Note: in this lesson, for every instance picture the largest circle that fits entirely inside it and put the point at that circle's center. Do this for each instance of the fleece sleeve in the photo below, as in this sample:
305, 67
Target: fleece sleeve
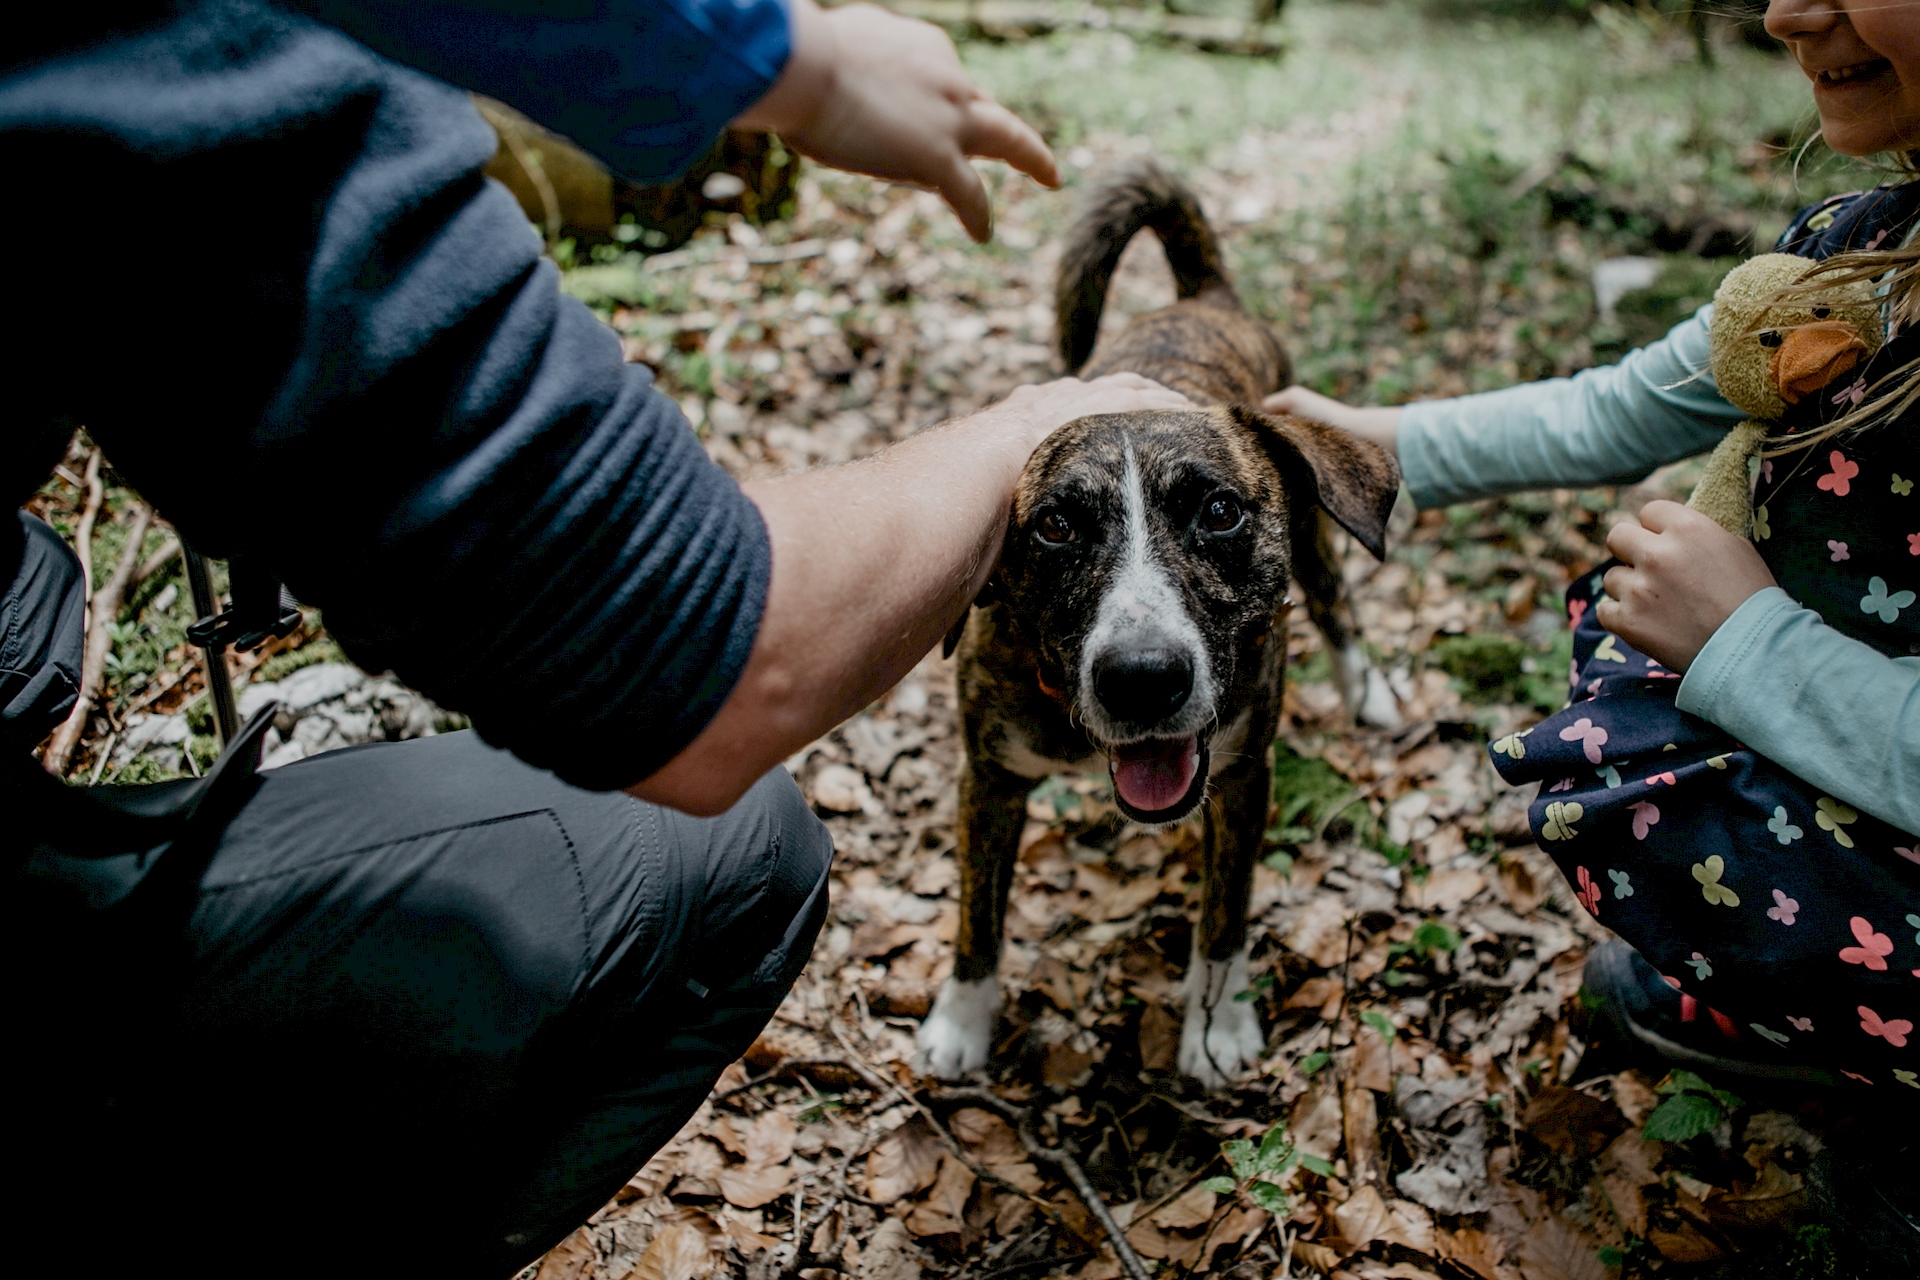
1823, 706
646, 85
1602, 426
347, 358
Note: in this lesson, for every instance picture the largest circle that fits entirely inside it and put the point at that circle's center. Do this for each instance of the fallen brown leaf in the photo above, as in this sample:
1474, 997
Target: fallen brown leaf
905, 1161
1625, 1168
751, 1185
769, 1140
1190, 1209
1443, 890
1368, 1216
680, 1252
1552, 1251
1473, 1249
1159, 1038
574, 1258
1320, 934
1318, 1256
1570, 1123
944, 1210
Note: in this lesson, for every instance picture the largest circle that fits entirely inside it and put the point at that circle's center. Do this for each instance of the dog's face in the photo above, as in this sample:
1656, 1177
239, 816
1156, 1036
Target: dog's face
1146, 558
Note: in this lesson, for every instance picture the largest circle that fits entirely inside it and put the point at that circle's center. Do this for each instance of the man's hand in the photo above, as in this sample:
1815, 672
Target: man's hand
1048, 406
871, 92
1684, 575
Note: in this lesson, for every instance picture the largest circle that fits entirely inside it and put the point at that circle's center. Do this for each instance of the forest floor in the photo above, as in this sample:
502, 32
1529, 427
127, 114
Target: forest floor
1418, 201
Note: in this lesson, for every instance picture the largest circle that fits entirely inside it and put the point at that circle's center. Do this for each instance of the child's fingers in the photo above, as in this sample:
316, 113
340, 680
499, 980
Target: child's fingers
995, 133
1662, 514
1629, 541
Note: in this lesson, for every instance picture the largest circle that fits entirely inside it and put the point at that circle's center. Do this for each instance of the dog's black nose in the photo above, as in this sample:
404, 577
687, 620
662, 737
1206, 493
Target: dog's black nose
1142, 686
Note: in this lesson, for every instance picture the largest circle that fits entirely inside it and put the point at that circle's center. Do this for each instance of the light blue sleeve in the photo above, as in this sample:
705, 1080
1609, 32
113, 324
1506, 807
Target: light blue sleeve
1602, 426
1830, 710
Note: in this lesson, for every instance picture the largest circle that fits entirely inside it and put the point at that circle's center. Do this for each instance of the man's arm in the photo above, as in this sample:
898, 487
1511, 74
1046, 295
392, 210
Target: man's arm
872, 562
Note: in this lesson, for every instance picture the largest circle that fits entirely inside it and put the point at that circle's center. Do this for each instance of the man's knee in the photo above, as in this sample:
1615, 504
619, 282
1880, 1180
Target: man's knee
796, 893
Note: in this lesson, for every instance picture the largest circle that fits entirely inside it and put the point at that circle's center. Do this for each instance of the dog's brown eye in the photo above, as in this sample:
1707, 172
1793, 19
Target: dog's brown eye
1768, 338
1056, 528
1222, 514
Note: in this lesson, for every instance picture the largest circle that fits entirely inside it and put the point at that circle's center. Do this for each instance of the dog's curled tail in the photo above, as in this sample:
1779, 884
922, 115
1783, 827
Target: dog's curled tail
1118, 206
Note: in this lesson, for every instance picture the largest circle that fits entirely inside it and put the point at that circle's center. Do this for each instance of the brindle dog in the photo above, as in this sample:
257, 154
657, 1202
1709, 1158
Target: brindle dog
1138, 612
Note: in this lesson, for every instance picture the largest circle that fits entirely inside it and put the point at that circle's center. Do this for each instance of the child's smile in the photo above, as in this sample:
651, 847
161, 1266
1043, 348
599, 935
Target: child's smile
1863, 57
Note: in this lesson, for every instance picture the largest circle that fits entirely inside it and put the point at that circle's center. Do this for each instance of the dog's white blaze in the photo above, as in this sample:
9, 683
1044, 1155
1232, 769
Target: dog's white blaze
1220, 1038
958, 1032
1142, 598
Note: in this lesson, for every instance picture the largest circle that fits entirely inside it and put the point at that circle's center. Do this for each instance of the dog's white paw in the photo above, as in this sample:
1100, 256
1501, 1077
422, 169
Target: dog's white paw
1364, 689
958, 1034
1221, 1036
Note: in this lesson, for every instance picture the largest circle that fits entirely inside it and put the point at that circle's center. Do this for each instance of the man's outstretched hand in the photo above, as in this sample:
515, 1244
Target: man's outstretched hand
1682, 576
871, 92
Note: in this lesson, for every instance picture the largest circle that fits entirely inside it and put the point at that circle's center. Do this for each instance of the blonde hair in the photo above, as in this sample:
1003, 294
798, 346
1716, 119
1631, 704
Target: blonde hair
1897, 272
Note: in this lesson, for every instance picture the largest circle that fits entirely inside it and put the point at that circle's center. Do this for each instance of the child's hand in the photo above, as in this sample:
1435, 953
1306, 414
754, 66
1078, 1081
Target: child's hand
1380, 426
1684, 575
871, 92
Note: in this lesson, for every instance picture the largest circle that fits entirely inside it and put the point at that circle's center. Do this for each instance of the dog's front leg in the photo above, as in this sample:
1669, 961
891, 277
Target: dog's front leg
1221, 1037
958, 1034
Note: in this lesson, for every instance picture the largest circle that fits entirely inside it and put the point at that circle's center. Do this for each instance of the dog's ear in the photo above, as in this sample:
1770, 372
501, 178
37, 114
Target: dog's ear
959, 626
1354, 480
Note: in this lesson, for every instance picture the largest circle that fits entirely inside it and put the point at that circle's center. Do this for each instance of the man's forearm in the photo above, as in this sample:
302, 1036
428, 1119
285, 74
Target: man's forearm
872, 562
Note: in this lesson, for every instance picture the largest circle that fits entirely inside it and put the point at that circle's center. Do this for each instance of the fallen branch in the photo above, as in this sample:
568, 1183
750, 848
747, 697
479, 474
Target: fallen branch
104, 608
83, 536
155, 562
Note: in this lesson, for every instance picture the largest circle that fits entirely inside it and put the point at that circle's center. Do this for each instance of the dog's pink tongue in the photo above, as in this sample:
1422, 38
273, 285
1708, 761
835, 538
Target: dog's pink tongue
1154, 775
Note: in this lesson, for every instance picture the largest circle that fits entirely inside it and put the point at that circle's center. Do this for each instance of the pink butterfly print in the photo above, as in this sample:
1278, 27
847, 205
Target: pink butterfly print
1839, 550
1874, 947
1875, 243
1838, 481
1576, 609
1853, 394
1766, 470
1913, 544
1893, 1030
1911, 855
1800, 1024
1784, 908
1645, 814
1589, 735
1565, 784
1588, 893
1666, 777
1593, 691
1857, 1076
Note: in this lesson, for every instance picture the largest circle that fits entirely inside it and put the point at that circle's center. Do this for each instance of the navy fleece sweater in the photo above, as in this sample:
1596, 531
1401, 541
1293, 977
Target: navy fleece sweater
259, 262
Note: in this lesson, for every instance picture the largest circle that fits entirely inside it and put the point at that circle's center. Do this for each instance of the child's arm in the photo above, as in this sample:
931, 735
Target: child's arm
1602, 426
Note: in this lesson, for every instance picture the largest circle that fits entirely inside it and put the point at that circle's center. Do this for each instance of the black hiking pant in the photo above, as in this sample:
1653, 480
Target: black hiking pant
417, 1008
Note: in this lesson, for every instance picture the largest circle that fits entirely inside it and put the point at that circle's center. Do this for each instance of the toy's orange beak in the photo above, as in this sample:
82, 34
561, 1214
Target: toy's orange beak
1813, 356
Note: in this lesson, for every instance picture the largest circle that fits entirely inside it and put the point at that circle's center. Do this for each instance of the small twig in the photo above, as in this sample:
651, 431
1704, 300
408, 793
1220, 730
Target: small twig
100, 765
156, 562
1203, 1117
103, 609
784, 1068
83, 535
1062, 1159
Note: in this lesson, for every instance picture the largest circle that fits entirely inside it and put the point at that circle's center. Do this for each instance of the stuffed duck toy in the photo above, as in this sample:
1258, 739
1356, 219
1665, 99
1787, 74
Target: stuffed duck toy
1768, 356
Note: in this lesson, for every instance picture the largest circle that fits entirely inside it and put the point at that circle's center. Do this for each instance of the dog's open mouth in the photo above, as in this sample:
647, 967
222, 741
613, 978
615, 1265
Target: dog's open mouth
1160, 779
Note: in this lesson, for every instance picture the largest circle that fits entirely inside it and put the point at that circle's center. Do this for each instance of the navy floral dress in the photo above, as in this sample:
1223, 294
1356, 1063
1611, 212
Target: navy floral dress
1783, 915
